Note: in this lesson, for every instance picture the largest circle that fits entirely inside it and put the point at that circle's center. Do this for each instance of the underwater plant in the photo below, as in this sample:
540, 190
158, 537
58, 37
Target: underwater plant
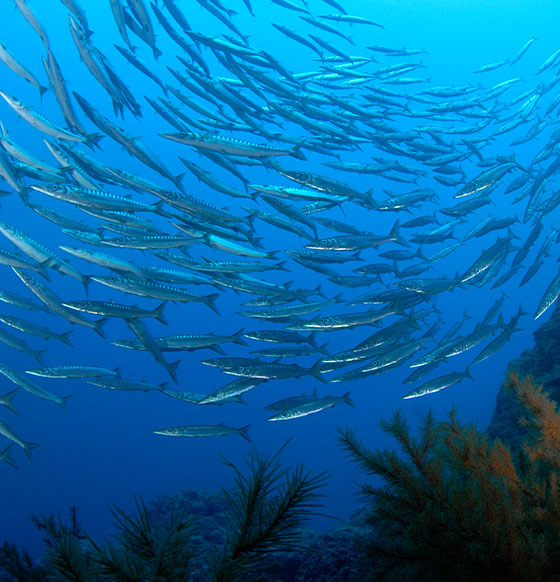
264, 517
265, 512
456, 506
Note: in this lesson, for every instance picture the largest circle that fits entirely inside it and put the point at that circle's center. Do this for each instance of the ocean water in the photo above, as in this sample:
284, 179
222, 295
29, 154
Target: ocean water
102, 451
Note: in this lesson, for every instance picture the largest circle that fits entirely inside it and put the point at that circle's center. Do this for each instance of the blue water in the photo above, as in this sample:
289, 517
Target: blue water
102, 451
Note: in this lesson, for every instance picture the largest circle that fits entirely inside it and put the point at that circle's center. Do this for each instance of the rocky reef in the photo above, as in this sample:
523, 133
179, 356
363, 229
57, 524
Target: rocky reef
542, 363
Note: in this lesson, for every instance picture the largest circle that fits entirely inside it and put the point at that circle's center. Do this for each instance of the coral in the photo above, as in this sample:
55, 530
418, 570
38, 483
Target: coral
160, 542
17, 566
456, 506
330, 556
541, 362
264, 516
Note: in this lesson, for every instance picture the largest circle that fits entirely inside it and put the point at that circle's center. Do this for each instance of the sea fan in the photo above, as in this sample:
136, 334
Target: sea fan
456, 507
265, 513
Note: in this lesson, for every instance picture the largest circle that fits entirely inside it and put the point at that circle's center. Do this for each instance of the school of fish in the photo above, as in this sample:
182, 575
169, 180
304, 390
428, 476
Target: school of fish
157, 241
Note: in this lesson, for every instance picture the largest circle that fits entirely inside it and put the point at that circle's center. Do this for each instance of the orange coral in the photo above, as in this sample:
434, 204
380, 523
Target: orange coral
458, 507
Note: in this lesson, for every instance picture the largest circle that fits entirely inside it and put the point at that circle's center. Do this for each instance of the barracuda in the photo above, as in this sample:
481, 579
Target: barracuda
11, 62
274, 371
54, 303
73, 372
230, 146
58, 84
15, 260
387, 360
437, 384
486, 179
346, 320
112, 309
354, 242
67, 222
550, 296
32, 328
311, 407
187, 342
232, 390
17, 152
175, 277
236, 266
96, 199
14, 342
156, 290
150, 242
41, 254
39, 122
23, 382
103, 260
286, 312
460, 345
199, 208
323, 184
200, 430
118, 383
299, 193
27, 446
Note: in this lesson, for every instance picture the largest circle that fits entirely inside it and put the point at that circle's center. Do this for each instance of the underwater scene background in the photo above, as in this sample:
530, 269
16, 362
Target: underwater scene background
102, 450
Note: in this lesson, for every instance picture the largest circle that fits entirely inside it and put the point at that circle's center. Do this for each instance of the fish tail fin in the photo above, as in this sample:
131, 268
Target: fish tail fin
98, 326
413, 322
281, 266
8, 401
172, 369
237, 339
39, 356
311, 339
323, 349
319, 292
251, 215
7, 457
297, 153
28, 447
468, 373
92, 140
348, 400
86, 280
244, 432
177, 181
64, 400
395, 235
42, 91
42, 270
158, 313
316, 371
210, 301
64, 337
24, 195
158, 208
